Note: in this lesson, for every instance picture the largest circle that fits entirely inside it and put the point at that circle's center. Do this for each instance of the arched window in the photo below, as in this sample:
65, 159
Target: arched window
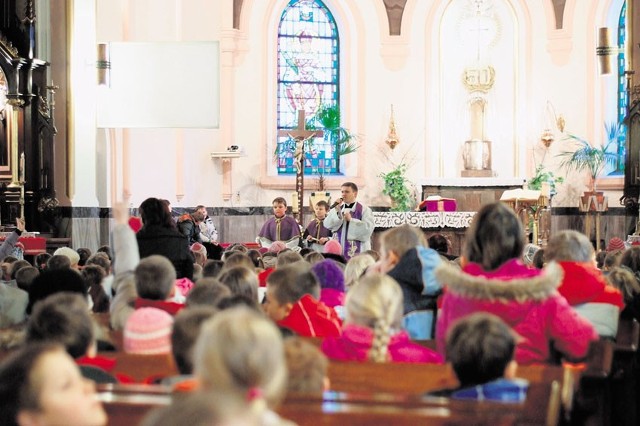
308, 78
622, 91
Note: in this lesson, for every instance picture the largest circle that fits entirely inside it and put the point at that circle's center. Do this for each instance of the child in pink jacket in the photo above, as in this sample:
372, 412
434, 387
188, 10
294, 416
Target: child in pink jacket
372, 329
494, 280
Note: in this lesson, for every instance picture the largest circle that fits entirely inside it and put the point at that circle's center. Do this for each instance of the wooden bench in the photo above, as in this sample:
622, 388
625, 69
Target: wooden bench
126, 404
624, 375
142, 367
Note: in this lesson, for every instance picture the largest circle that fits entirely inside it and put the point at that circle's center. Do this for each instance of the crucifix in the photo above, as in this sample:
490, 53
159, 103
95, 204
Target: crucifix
300, 135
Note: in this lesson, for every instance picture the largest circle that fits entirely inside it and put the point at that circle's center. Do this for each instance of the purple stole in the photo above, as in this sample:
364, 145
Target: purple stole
351, 247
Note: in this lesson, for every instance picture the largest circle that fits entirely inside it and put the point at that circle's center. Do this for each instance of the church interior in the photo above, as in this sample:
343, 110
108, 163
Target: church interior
191, 101
422, 112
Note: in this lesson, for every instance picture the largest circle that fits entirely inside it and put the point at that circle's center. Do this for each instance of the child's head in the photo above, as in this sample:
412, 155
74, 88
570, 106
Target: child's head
155, 278
92, 275
63, 318
439, 243
569, 246
256, 258
356, 267
329, 275
480, 348
238, 259
25, 276
16, 266
240, 353
313, 257
279, 206
307, 366
376, 302
398, 241
240, 280
40, 261
100, 259
207, 292
287, 285
611, 260
631, 259
148, 331
55, 281
321, 208
332, 246
41, 385
58, 261
199, 253
624, 280
288, 257
494, 237
212, 268
84, 254
186, 329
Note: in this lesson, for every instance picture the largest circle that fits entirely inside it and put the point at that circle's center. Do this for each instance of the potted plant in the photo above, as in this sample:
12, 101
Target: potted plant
544, 176
397, 186
592, 159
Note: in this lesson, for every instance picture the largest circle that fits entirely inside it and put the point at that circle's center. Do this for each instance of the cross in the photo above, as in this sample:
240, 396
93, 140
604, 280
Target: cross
300, 134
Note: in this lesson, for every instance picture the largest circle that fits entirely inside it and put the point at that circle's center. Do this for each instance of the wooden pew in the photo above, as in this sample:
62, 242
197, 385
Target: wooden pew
127, 404
624, 375
542, 407
416, 378
142, 367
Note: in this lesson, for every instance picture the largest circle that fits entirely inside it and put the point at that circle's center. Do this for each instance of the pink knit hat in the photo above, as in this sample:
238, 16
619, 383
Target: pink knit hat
148, 331
615, 243
333, 247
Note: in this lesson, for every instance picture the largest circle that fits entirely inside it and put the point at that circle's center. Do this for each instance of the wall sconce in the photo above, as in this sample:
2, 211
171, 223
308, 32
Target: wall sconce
548, 135
103, 64
392, 138
606, 50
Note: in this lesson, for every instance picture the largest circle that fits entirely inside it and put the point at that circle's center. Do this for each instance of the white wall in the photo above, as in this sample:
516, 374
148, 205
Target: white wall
378, 70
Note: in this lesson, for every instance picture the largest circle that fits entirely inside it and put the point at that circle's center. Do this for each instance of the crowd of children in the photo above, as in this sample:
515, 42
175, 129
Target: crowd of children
237, 328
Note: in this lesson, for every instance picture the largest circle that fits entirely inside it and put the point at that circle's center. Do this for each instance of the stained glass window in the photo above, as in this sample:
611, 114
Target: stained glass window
622, 92
308, 78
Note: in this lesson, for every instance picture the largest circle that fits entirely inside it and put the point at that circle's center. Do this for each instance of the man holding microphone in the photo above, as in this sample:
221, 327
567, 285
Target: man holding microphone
351, 221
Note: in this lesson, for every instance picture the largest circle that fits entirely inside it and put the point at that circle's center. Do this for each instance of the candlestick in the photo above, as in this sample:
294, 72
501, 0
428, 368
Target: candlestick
21, 168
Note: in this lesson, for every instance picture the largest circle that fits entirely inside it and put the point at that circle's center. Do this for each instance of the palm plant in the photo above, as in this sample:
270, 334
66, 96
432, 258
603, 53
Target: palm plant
343, 141
592, 159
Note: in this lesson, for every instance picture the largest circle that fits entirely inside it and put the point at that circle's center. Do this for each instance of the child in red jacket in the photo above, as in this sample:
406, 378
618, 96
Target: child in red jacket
292, 301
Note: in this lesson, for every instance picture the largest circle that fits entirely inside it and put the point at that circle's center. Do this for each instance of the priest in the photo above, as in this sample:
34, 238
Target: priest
351, 222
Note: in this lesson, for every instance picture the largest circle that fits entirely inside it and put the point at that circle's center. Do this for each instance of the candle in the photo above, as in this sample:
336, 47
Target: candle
294, 202
545, 191
21, 167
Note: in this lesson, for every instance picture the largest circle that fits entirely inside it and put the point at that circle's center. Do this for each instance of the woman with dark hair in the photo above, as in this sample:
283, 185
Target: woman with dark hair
41, 385
494, 279
159, 235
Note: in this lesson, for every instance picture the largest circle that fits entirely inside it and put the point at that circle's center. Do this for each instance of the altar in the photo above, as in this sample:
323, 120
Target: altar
453, 225
469, 193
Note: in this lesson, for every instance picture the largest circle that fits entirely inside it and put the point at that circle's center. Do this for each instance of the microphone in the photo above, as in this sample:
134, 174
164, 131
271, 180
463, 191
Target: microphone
338, 201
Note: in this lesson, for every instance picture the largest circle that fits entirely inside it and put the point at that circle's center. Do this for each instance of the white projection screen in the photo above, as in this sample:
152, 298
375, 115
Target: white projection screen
167, 84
